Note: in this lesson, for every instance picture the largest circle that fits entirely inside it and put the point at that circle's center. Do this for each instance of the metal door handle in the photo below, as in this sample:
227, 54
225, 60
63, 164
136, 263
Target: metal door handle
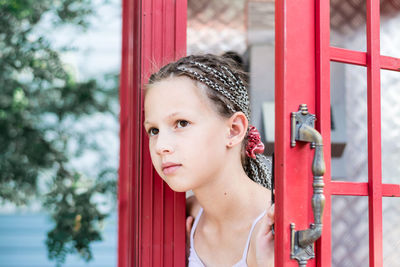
302, 241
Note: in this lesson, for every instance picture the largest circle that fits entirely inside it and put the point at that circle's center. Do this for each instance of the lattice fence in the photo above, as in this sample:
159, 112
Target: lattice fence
216, 26
348, 16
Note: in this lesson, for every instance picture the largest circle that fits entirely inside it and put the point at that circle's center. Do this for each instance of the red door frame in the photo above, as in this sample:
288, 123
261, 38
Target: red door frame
151, 227
303, 56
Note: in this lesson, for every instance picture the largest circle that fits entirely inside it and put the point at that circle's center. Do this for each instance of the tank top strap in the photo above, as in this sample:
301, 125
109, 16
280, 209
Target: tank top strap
196, 221
246, 248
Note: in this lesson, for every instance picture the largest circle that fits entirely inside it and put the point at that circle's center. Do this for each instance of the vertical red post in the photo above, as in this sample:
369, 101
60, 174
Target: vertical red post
129, 99
151, 216
323, 123
295, 84
374, 134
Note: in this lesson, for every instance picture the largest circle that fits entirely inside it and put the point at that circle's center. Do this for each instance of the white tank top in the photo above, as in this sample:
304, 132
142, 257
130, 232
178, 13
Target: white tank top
194, 260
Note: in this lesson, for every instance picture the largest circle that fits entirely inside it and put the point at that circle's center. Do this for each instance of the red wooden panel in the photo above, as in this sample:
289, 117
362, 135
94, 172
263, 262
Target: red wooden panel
349, 188
151, 216
361, 189
390, 63
374, 134
127, 189
348, 56
323, 123
294, 85
360, 58
391, 190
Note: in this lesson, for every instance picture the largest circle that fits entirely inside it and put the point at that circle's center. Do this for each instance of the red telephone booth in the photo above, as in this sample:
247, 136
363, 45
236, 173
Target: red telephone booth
152, 217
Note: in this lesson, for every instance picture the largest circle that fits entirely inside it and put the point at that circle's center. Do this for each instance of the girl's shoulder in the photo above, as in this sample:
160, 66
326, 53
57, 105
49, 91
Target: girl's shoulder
192, 206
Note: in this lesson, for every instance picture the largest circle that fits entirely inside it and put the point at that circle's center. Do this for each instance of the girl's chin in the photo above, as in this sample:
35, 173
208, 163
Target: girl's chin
179, 190
178, 187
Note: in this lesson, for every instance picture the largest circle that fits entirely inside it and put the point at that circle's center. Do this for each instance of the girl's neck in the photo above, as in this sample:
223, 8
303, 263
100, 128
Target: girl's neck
230, 197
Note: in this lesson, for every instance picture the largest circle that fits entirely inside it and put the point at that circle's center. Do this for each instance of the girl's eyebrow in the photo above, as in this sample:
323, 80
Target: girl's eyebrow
169, 116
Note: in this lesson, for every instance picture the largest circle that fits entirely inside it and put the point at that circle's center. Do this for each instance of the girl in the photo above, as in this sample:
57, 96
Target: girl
197, 113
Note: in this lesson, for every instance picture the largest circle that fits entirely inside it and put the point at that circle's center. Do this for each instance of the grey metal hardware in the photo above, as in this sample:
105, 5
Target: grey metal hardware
302, 241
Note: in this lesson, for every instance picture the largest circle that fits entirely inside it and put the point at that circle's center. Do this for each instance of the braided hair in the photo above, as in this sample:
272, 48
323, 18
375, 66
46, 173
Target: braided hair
226, 87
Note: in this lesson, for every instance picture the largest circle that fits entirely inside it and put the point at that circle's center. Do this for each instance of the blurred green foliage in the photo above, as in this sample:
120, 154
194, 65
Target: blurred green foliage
37, 96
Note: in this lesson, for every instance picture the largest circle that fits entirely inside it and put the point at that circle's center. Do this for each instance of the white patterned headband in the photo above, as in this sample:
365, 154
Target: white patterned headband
229, 85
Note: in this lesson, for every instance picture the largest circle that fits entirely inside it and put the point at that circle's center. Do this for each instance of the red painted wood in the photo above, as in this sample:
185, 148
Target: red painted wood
374, 134
348, 56
127, 189
323, 123
281, 233
390, 63
151, 216
294, 85
360, 58
349, 188
361, 189
391, 190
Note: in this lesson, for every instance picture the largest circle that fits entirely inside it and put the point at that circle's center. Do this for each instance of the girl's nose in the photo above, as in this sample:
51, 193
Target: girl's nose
164, 145
164, 150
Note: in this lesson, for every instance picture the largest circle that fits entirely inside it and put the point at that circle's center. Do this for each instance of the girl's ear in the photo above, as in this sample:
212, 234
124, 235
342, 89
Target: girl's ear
237, 124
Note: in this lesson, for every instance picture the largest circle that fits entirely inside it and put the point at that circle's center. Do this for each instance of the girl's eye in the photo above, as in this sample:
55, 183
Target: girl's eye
179, 124
182, 123
153, 131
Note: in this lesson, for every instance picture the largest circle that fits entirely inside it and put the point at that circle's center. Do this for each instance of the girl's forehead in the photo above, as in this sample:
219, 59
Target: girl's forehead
176, 93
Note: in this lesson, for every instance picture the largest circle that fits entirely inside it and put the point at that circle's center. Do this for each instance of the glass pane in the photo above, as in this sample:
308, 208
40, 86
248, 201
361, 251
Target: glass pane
349, 122
390, 114
349, 231
390, 31
391, 232
348, 24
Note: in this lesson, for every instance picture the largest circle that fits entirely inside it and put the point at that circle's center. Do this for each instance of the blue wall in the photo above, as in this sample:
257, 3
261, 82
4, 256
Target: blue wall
22, 243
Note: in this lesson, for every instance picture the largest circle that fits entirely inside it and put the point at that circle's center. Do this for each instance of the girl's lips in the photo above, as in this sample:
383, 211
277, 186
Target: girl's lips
170, 169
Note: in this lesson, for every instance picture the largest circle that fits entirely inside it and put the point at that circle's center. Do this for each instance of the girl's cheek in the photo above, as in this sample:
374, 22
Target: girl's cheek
155, 161
152, 151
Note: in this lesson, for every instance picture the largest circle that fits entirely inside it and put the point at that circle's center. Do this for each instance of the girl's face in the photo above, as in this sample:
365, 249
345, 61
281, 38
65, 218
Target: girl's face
187, 138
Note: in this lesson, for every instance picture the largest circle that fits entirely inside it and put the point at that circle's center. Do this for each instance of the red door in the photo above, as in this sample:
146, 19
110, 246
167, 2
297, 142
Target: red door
152, 217
303, 56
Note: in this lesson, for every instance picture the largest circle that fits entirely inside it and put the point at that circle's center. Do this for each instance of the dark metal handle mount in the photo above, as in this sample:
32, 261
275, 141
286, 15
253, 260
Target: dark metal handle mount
302, 241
